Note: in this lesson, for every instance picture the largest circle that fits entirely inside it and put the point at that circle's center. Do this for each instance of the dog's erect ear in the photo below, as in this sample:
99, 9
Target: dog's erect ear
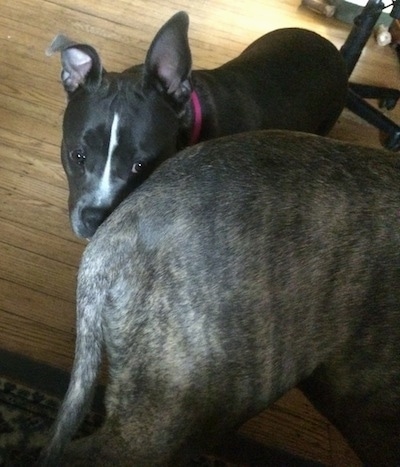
168, 62
81, 65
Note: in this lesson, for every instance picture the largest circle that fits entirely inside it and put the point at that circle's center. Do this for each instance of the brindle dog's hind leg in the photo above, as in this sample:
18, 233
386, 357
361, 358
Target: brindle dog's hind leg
369, 418
104, 448
108, 449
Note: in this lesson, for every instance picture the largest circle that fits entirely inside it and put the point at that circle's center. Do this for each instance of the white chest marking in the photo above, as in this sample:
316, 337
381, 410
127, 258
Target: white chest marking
105, 182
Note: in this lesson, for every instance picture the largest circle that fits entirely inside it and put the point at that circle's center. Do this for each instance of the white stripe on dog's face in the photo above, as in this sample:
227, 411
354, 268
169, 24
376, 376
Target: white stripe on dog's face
105, 182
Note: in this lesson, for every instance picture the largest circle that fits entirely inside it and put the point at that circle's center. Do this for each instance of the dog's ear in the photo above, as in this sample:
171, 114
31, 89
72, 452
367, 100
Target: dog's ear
81, 65
168, 62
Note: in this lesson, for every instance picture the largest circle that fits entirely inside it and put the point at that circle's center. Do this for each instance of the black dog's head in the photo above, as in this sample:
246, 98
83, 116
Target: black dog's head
119, 126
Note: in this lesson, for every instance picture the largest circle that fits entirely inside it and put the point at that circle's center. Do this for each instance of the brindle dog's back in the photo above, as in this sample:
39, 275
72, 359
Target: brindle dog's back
241, 268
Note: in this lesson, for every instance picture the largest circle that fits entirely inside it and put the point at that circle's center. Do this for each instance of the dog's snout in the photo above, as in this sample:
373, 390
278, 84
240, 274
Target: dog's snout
91, 218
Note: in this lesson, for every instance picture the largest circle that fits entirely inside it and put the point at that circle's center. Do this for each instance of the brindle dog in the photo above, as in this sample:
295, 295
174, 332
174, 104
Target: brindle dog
241, 268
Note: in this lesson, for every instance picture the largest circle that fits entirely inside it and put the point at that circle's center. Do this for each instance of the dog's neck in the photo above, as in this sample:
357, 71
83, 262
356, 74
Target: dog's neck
197, 118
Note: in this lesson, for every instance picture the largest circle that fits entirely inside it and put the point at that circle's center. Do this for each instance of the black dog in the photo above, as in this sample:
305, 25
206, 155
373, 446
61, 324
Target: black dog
119, 126
242, 267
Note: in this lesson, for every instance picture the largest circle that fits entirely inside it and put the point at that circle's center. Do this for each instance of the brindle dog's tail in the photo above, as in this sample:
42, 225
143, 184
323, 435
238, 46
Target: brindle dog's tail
88, 349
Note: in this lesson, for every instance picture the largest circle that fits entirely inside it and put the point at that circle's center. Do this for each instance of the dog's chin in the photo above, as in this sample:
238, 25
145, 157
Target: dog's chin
86, 238
84, 229
82, 232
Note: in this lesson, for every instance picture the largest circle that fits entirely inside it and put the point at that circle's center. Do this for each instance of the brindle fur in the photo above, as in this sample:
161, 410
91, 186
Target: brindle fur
243, 267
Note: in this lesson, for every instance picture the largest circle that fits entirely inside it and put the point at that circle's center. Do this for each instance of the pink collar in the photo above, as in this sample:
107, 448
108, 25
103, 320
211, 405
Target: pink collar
198, 118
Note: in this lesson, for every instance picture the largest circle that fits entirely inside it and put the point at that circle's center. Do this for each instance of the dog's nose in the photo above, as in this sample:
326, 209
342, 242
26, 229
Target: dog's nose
92, 217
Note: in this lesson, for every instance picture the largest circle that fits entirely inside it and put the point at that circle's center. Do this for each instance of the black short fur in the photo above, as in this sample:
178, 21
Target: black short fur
290, 78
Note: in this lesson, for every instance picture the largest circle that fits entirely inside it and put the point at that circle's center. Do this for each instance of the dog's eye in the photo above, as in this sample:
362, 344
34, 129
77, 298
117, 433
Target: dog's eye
137, 167
78, 156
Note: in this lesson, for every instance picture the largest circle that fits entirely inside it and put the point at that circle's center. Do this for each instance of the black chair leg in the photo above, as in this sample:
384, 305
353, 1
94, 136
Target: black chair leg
388, 97
361, 31
391, 137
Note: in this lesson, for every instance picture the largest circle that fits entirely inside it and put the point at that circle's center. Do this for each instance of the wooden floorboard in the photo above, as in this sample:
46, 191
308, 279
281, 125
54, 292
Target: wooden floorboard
38, 252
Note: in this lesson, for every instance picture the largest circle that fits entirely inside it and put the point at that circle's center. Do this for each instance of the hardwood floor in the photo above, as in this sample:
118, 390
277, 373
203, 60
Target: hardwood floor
38, 252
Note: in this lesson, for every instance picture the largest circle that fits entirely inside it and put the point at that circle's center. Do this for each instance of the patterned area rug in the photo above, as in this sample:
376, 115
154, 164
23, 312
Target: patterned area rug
26, 416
